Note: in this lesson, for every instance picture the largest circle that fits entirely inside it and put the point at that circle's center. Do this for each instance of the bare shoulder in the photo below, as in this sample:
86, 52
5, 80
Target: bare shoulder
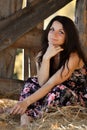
75, 60
74, 55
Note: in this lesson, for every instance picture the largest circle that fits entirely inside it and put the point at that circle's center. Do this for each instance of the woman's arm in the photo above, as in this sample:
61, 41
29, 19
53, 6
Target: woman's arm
43, 71
54, 80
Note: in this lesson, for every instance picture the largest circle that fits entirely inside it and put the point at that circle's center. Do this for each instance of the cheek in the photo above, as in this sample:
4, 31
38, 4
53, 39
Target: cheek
63, 39
49, 36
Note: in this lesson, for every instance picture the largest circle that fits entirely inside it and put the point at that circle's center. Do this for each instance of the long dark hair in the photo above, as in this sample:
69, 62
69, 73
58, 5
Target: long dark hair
71, 44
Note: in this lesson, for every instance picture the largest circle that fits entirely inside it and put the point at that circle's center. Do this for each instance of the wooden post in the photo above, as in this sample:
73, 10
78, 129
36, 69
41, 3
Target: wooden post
81, 22
33, 53
26, 64
7, 56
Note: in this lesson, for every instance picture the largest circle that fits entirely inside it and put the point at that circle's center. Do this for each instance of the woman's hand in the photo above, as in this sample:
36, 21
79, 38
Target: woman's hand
19, 108
52, 50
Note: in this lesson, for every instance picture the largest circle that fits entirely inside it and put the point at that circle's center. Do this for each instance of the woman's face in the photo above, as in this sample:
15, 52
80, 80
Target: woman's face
56, 35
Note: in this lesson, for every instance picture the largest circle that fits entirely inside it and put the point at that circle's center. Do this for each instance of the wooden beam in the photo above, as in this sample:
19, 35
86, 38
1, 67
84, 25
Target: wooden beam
28, 18
30, 40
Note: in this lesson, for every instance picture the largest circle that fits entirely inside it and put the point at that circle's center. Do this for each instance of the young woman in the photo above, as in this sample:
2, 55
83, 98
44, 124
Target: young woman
61, 72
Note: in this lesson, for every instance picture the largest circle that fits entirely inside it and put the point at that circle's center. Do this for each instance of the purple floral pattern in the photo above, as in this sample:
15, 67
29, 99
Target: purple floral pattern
71, 92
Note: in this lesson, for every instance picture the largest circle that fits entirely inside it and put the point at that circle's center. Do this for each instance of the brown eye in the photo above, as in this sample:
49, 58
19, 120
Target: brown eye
61, 32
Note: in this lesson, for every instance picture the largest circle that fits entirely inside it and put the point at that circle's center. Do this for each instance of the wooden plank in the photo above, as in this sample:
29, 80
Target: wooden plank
33, 54
8, 7
7, 56
29, 63
81, 22
28, 20
31, 39
26, 63
10, 88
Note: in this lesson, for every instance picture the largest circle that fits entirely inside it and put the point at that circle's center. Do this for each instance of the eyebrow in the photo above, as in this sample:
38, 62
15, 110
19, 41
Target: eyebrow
59, 29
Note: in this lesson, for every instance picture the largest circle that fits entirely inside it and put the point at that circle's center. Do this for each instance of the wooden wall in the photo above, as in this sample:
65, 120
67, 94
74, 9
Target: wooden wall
81, 22
7, 56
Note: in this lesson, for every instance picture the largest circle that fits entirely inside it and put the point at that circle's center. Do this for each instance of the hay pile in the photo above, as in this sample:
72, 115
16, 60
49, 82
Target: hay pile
65, 118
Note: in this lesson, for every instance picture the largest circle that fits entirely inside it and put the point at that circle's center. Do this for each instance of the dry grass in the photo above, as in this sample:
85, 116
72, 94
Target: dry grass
65, 118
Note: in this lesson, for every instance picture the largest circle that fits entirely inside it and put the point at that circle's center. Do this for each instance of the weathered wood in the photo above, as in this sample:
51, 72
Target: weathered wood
28, 20
10, 88
30, 40
32, 2
81, 22
29, 62
33, 54
26, 63
7, 56
8, 7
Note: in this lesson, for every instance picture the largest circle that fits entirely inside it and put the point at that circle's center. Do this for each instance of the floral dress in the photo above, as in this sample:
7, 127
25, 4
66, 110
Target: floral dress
72, 92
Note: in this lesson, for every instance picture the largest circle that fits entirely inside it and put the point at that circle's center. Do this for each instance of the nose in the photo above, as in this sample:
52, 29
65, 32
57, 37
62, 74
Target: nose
55, 34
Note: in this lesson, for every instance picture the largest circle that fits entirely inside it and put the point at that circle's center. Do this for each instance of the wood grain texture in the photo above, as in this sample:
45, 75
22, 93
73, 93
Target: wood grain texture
81, 22
24, 20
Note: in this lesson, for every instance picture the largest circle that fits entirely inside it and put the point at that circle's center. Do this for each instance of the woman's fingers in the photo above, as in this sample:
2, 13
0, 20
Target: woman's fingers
21, 111
55, 46
19, 108
58, 48
15, 109
52, 50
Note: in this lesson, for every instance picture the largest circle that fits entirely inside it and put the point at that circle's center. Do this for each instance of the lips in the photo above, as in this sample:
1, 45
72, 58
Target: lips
54, 40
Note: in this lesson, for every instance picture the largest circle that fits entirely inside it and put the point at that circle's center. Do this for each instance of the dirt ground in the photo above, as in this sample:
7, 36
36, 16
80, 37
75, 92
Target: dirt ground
65, 118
